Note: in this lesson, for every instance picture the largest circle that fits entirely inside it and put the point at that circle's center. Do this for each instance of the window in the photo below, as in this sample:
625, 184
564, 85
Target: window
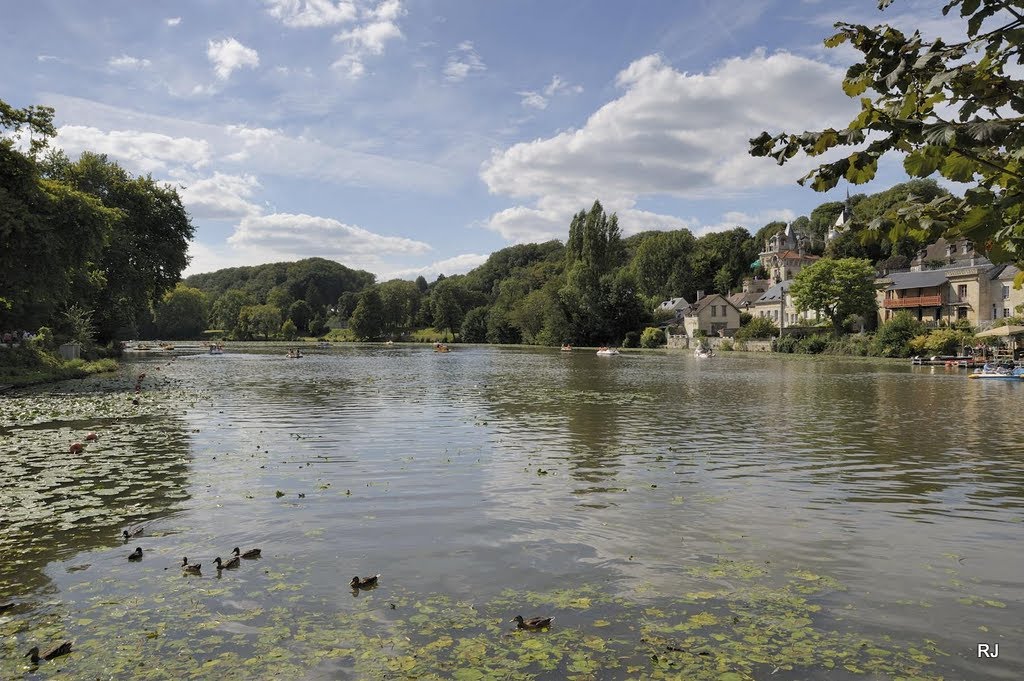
1006, 312
995, 313
961, 290
714, 310
1006, 292
725, 311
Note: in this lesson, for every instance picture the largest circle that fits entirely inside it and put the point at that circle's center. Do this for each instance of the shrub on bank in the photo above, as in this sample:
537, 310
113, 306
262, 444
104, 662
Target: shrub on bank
652, 338
894, 336
758, 327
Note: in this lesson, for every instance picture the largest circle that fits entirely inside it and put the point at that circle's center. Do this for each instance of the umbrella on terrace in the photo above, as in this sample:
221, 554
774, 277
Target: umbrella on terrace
1001, 332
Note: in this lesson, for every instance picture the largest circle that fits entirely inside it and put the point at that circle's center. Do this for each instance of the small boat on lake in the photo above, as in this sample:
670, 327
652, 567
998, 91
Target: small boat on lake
566, 348
294, 354
703, 352
216, 350
998, 372
606, 351
441, 347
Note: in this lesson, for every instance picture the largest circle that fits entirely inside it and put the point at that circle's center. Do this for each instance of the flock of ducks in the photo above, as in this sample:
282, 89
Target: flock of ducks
357, 583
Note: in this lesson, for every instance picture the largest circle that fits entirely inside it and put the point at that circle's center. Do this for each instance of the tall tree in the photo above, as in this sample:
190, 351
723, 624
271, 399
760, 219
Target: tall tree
181, 313
367, 320
446, 306
954, 108
836, 288
226, 309
300, 313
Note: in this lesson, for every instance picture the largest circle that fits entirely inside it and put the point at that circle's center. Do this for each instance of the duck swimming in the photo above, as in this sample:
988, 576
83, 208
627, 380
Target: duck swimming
53, 651
194, 569
251, 553
364, 582
136, 554
532, 623
231, 563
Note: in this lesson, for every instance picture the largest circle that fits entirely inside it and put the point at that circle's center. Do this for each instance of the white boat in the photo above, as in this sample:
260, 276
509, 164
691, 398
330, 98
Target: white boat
996, 372
703, 353
607, 352
214, 350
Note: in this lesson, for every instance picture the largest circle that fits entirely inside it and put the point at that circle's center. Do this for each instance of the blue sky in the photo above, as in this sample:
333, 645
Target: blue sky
417, 136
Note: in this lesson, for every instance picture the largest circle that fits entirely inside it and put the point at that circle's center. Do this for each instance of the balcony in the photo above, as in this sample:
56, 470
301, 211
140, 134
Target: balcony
912, 301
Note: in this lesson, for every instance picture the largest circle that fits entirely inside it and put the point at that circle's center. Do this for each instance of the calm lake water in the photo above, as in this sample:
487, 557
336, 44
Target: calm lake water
745, 517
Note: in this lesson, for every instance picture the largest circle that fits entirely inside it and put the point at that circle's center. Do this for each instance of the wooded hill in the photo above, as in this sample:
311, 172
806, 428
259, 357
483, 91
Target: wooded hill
596, 288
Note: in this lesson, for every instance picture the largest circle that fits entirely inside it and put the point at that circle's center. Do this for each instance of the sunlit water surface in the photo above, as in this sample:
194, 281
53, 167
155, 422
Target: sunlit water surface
734, 518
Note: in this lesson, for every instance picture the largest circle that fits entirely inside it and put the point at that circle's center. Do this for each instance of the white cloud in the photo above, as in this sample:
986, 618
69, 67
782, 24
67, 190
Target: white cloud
145, 151
311, 13
535, 100
376, 28
459, 264
228, 55
669, 134
286, 236
220, 196
463, 61
126, 62
172, 21
46, 57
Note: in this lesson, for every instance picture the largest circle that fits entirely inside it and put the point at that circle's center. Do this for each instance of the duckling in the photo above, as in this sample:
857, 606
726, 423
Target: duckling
194, 569
232, 563
533, 622
251, 553
53, 651
136, 554
364, 582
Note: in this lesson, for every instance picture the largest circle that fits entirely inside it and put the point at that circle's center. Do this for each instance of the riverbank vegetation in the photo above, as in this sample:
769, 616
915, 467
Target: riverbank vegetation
88, 250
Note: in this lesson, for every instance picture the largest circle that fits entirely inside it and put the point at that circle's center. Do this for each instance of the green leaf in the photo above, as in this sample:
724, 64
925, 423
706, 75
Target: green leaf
923, 162
958, 168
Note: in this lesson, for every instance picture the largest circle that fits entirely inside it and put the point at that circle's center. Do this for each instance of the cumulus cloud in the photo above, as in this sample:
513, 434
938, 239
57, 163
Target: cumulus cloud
535, 100
172, 21
293, 236
220, 196
311, 13
375, 28
459, 264
228, 55
669, 134
144, 151
126, 62
462, 61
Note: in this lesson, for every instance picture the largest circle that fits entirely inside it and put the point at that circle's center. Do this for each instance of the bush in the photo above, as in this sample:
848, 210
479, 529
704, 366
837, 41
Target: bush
44, 338
894, 336
759, 327
726, 346
745, 318
632, 339
474, 326
784, 344
857, 345
813, 345
288, 330
652, 338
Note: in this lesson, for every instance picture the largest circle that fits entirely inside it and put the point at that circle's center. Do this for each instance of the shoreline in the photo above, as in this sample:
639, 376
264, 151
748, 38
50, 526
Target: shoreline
68, 370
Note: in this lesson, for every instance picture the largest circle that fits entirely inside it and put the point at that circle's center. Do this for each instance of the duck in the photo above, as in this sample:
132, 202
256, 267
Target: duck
91, 437
231, 563
133, 531
76, 448
53, 651
251, 553
533, 622
136, 554
364, 582
194, 569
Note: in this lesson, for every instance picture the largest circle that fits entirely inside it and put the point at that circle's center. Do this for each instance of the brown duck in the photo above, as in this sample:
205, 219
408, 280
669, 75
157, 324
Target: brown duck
194, 569
136, 554
231, 563
251, 553
533, 622
53, 651
364, 582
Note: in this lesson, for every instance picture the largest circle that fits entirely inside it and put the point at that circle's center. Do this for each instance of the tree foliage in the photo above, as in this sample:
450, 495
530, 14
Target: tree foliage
181, 313
955, 108
836, 288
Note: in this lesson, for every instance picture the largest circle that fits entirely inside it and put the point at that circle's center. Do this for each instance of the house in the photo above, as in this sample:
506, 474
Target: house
713, 314
673, 306
753, 288
784, 256
777, 305
967, 287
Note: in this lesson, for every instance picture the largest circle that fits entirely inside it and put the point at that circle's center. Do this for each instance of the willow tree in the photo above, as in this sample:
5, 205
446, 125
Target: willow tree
953, 108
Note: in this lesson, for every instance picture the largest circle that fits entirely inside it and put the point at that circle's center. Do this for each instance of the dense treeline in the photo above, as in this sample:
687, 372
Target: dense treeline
88, 250
596, 288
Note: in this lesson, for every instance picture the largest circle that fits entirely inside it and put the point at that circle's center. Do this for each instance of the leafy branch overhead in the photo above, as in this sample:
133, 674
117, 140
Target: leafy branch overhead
952, 108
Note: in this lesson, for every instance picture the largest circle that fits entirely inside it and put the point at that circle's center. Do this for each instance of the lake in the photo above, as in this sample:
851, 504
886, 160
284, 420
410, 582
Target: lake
744, 517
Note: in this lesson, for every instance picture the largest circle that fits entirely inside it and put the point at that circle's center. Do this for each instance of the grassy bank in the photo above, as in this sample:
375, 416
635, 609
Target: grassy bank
26, 365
